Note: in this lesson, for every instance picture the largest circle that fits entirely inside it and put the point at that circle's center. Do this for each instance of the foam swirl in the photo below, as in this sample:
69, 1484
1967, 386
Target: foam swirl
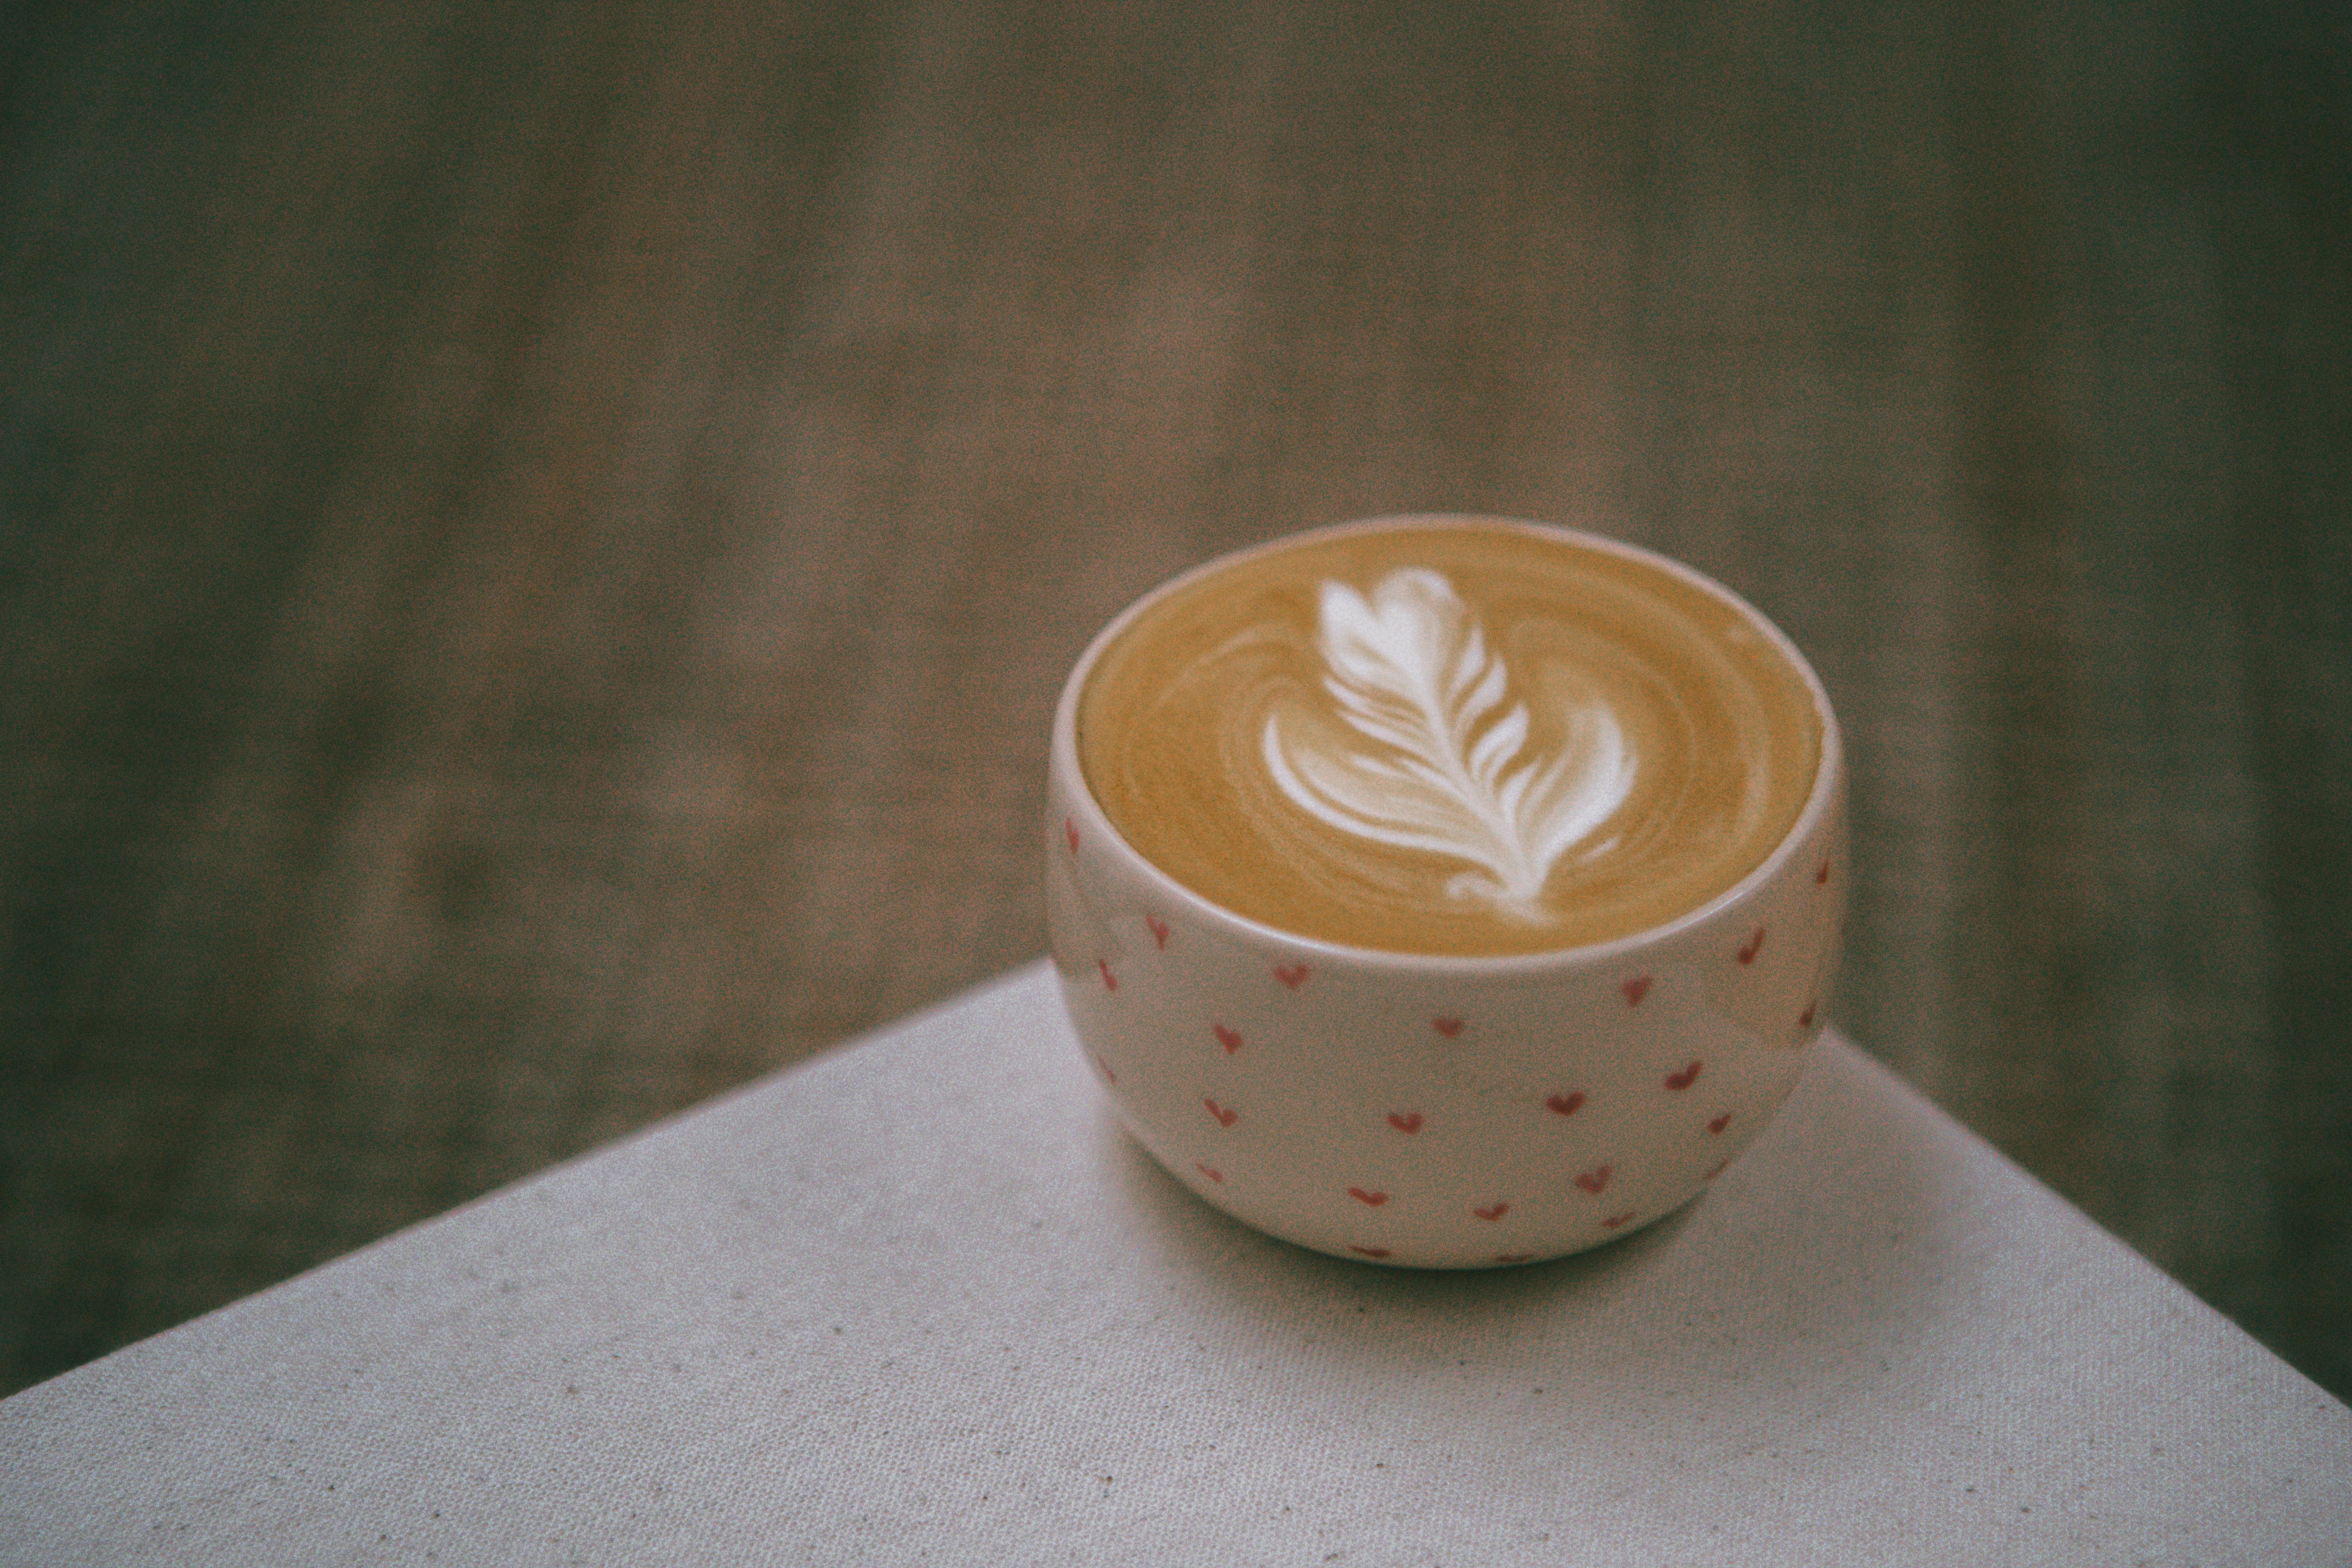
1437, 762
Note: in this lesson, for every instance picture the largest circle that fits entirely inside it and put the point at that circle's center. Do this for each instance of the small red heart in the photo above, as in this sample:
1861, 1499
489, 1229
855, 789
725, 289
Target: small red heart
1596, 1178
1229, 1039
1211, 1172
1449, 1028
1713, 1171
1071, 829
1226, 1116
1754, 946
1823, 875
1685, 1077
1410, 1123
1567, 1104
1614, 1220
1158, 928
1374, 1199
1637, 988
1371, 1251
1497, 1212
1110, 980
1291, 975
1805, 1019
1513, 1257
1720, 1123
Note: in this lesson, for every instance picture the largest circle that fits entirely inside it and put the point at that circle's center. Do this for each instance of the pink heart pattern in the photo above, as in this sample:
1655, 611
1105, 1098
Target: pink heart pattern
1593, 1181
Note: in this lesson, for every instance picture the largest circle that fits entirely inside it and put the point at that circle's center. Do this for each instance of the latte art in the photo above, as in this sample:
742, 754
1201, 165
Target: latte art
1436, 762
1450, 738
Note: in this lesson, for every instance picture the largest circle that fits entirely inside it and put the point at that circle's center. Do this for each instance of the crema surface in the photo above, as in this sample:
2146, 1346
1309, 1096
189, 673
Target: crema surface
1450, 739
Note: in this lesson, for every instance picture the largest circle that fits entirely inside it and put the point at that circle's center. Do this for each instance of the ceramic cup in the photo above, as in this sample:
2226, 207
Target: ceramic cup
1440, 1111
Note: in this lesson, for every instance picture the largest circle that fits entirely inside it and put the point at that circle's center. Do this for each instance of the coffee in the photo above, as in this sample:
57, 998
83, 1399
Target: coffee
1460, 738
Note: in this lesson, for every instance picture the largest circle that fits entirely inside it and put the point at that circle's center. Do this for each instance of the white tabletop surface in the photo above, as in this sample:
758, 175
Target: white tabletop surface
919, 1300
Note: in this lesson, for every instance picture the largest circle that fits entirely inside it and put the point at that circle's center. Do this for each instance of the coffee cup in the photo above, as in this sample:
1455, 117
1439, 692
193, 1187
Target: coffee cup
1445, 892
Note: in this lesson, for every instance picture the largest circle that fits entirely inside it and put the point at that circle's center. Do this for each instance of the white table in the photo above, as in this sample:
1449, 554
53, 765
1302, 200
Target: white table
917, 1300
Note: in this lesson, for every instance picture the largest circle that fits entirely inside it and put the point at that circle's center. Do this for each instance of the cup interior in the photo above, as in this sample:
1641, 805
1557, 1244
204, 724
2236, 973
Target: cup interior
1820, 801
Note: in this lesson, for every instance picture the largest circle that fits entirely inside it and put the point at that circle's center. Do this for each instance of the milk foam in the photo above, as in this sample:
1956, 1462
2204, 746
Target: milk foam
1457, 739
1431, 758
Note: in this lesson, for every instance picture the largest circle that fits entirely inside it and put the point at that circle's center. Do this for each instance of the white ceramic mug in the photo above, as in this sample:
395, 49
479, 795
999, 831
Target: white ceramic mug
1441, 1111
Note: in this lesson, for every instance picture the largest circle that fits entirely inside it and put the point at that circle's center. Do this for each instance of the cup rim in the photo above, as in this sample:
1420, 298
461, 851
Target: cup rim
1828, 770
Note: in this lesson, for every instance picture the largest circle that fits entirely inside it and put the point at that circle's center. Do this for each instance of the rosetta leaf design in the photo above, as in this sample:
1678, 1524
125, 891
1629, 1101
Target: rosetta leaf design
1430, 758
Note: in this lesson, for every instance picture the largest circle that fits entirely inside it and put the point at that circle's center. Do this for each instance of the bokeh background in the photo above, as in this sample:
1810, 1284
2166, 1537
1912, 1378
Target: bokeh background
538, 540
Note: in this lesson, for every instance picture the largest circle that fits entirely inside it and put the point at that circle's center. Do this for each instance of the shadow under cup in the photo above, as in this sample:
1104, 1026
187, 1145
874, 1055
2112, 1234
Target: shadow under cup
1429, 1109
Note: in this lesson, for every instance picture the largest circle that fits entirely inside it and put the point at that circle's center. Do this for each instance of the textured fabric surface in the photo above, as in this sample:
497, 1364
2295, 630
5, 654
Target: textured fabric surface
920, 1300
